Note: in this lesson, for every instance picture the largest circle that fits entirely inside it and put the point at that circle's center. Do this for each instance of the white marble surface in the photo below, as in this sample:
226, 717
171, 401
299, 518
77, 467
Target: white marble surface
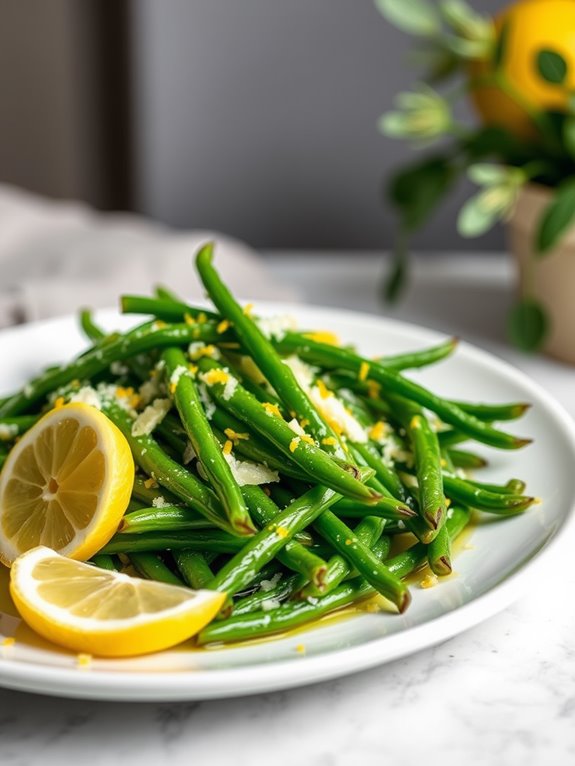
502, 693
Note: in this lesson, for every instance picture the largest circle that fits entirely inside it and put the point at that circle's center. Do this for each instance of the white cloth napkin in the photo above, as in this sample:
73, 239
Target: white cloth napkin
56, 257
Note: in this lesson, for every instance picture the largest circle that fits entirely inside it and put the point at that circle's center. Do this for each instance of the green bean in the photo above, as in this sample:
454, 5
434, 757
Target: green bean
439, 553
310, 458
346, 543
90, 329
451, 437
416, 359
427, 458
295, 556
194, 567
151, 566
163, 292
263, 353
100, 358
368, 454
490, 412
265, 545
153, 460
102, 561
368, 533
167, 310
168, 518
512, 487
10, 428
464, 459
331, 357
385, 508
205, 444
203, 540
286, 587
504, 504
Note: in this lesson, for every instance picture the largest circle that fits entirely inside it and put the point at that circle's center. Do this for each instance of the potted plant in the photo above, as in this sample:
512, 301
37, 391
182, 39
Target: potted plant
518, 70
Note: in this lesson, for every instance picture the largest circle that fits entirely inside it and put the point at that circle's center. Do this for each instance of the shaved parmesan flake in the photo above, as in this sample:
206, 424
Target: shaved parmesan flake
247, 473
151, 417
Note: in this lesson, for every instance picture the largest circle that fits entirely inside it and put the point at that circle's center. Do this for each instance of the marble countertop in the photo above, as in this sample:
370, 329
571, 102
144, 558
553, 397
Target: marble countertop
502, 693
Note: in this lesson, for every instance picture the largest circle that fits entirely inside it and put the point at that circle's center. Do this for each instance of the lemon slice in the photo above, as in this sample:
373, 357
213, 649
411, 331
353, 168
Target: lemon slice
65, 484
105, 613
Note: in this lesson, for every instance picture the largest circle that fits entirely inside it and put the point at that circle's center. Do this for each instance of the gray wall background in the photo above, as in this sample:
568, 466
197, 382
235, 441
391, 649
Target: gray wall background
258, 117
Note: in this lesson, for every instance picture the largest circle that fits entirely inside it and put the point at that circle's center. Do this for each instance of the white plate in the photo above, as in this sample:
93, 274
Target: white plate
494, 568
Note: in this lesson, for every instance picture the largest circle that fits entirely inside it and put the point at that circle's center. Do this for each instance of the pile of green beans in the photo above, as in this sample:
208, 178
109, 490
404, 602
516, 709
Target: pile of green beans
252, 486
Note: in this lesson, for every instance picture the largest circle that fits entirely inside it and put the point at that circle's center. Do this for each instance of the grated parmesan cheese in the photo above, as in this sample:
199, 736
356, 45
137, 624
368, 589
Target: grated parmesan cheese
88, 395
247, 473
151, 417
176, 375
277, 326
268, 604
295, 426
267, 585
160, 502
189, 454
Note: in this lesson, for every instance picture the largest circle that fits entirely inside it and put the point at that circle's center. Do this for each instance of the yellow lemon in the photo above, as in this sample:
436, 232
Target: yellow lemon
65, 484
105, 613
532, 26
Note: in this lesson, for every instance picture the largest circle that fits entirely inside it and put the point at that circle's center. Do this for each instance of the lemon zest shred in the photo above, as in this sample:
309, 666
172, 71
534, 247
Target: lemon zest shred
323, 336
150, 483
235, 436
294, 443
324, 391
271, 409
215, 376
378, 431
228, 446
223, 326
329, 441
248, 308
59, 402
363, 371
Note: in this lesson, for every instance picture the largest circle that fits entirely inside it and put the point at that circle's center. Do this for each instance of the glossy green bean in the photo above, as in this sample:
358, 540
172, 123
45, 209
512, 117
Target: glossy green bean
266, 544
503, 504
180, 482
203, 540
151, 566
168, 518
295, 556
263, 353
207, 448
194, 567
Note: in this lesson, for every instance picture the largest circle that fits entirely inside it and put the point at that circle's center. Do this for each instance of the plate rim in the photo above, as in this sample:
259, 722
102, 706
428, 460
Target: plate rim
304, 670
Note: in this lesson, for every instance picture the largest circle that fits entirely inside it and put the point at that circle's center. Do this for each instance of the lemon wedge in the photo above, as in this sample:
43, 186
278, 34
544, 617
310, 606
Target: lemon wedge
66, 484
105, 613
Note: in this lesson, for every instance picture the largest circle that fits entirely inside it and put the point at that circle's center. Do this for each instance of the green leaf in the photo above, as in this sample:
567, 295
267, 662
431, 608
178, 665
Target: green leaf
474, 218
416, 17
528, 324
395, 282
557, 217
501, 45
569, 135
416, 190
485, 174
551, 66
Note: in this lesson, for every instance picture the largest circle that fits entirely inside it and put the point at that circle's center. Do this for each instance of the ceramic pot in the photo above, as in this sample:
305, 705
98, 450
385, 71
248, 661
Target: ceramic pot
550, 279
